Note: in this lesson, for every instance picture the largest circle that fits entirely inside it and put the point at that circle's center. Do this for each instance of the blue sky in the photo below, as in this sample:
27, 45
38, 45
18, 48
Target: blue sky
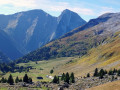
87, 9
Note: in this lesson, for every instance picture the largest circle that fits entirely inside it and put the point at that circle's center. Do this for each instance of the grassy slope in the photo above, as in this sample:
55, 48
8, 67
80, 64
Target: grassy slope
77, 44
42, 68
74, 44
105, 56
108, 86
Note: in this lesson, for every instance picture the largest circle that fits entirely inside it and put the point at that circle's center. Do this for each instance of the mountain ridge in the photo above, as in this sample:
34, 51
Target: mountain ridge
32, 29
78, 43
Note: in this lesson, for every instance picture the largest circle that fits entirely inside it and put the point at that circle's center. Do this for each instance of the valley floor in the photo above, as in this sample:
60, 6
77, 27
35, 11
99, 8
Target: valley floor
80, 67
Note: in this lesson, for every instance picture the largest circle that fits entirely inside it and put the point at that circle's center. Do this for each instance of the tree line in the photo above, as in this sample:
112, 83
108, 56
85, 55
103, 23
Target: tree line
11, 81
65, 77
100, 73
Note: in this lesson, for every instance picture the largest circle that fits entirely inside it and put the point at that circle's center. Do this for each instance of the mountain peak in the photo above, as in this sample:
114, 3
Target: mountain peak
106, 15
67, 11
29, 30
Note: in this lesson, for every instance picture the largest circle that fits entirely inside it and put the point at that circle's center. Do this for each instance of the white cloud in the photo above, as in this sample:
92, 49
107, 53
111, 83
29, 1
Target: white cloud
60, 6
104, 10
18, 3
84, 11
83, 8
48, 5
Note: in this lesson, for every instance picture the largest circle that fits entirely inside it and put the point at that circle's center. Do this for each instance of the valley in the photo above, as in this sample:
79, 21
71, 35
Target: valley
30, 30
41, 52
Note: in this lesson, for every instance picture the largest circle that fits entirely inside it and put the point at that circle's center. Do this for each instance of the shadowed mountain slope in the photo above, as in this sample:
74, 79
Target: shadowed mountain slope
83, 38
32, 29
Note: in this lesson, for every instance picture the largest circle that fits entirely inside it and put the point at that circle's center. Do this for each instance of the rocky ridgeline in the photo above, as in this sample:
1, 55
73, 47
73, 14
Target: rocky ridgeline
83, 83
80, 84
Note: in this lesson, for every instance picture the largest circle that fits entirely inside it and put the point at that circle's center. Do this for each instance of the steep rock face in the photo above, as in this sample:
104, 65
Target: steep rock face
67, 21
32, 29
79, 40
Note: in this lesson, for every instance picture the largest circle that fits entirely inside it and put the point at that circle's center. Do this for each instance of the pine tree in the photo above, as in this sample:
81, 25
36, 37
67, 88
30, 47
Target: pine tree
110, 72
101, 73
17, 80
96, 72
55, 80
105, 71
118, 73
63, 76
30, 80
72, 78
10, 80
88, 75
67, 78
51, 71
100, 76
115, 70
3, 80
25, 78
58, 81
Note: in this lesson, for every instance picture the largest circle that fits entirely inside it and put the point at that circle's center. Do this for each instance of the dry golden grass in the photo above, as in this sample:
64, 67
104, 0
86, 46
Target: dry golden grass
105, 56
108, 86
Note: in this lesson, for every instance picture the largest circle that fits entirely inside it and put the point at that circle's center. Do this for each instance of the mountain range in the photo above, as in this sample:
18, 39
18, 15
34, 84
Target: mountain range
65, 44
26, 31
80, 40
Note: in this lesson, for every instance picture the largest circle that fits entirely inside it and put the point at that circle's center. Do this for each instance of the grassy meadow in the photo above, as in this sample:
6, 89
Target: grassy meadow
42, 68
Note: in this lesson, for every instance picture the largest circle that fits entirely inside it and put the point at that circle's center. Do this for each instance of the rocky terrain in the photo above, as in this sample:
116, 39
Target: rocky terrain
29, 30
82, 83
80, 40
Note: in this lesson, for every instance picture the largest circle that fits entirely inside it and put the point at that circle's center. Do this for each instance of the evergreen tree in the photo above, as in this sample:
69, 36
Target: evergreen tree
110, 72
17, 80
118, 73
25, 78
63, 76
105, 72
67, 78
58, 81
88, 75
101, 73
72, 78
3, 80
100, 76
96, 72
30, 80
115, 70
10, 80
51, 71
55, 80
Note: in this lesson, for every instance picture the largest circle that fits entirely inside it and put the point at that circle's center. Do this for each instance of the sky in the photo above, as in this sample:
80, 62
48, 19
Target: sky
87, 9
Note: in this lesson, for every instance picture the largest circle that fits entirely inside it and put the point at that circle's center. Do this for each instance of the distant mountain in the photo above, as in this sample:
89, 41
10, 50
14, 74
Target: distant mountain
7, 46
79, 40
32, 29
4, 58
68, 21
